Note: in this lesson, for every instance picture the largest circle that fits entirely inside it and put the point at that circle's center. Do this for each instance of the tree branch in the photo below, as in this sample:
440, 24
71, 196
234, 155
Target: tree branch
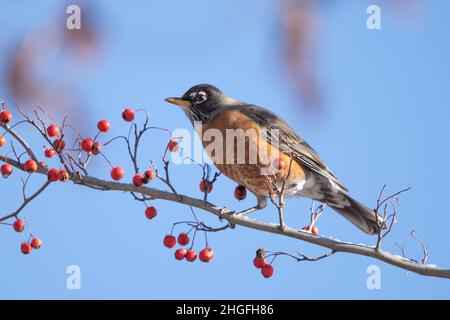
225, 213
21, 141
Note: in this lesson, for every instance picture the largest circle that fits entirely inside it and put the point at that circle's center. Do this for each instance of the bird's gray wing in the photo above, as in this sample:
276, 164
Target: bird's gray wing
288, 141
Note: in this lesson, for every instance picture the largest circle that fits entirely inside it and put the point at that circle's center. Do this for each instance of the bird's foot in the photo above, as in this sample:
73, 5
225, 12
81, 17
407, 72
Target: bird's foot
247, 211
262, 203
229, 212
222, 211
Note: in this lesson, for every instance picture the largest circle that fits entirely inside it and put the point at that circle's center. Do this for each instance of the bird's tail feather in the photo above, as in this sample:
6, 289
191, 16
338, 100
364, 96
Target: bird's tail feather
361, 216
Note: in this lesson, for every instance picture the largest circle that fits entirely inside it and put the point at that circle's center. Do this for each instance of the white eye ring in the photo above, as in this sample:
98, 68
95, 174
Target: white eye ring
199, 97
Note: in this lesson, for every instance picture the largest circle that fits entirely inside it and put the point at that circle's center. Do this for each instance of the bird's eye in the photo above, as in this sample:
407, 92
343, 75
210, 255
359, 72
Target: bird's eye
199, 97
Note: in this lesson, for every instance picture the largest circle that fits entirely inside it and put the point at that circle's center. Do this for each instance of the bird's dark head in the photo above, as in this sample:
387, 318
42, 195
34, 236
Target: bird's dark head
202, 102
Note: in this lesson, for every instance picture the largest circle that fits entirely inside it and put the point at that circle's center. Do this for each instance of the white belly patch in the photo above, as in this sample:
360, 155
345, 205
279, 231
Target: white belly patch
295, 189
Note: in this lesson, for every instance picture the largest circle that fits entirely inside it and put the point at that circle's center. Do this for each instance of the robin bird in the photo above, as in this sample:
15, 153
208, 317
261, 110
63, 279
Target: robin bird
304, 173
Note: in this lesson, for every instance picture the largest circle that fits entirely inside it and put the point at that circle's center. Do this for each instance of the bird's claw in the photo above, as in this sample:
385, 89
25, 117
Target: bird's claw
222, 211
221, 218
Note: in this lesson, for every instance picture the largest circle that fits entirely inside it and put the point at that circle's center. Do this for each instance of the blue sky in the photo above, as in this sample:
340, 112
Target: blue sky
386, 104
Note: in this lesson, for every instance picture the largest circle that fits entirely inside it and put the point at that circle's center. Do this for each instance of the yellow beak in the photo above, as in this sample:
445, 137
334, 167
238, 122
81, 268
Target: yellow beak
179, 102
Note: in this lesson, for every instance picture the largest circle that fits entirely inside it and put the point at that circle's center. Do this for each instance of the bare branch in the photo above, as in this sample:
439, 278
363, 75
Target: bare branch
299, 256
424, 247
20, 140
26, 201
336, 246
70, 163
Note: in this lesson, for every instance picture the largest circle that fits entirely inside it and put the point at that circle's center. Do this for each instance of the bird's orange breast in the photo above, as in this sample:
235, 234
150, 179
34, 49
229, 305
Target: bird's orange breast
233, 142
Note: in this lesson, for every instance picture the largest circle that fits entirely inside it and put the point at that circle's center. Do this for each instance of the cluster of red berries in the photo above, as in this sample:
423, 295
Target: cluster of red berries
94, 147
260, 262
190, 255
90, 146
54, 175
29, 166
141, 179
26, 247
58, 144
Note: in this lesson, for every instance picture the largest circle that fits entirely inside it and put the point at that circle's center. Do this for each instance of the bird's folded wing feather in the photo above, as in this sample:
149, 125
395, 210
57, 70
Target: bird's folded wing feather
288, 141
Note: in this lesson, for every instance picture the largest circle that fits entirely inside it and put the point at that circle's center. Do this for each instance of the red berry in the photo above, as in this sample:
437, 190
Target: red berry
180, 254
240, 192
25, 247
150, 212
19, 225
96, 148
183, 239
5, 116
138, 180
128, 114
52, 175
53, 130
2, 141
169, 241
36, 243
173, 146
191, 255
117, 173
148, 176
103, 126
59, 145
267, 271
86, 145
205, 185
49, 153
42, 164
259, 262
206, 254
278, 164
6, 170
63, 175
30, 166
